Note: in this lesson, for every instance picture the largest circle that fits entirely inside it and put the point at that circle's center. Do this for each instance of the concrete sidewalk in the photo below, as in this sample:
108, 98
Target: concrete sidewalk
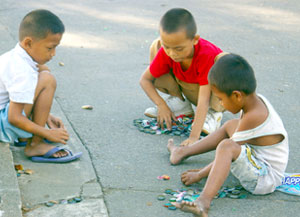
104, 51
10, 199
50, 182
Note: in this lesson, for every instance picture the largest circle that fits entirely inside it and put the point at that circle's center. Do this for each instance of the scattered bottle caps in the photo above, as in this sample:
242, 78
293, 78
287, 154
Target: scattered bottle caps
77, 199
146, 124
161, 197
71, 201
63, 201
20, 170
87, 107
172, 208
28, 171
166, 177
235, 192
19, 167
167, 205
168, 191
172, 199
25, 208
49, 204
191, 195
149, 204
163, 177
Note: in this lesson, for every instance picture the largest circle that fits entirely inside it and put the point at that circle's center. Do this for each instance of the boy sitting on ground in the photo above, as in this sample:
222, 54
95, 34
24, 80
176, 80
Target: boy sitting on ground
254, 148
27, 89
180, 61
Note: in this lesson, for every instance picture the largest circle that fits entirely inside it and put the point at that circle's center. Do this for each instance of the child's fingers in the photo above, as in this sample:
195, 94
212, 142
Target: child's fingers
61, 125
160, 122
63, 141
169, 123
174, 117
66, 136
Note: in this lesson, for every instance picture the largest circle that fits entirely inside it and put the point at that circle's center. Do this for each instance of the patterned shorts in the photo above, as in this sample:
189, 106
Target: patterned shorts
247, 168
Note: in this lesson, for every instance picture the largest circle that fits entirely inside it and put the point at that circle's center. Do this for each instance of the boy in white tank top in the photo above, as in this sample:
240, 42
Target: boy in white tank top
254, 147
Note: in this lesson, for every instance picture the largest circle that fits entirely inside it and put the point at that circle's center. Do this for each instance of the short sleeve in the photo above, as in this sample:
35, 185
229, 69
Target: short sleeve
161, 64
21, 84
204, 70
206, 60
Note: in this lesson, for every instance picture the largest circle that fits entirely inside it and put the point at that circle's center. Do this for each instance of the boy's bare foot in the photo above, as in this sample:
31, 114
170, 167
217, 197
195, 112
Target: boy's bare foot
191, 176
176, 155
41, 149
196, 208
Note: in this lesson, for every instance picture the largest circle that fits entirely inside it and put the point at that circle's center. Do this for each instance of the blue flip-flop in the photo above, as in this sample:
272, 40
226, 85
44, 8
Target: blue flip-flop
20, 144
47, 158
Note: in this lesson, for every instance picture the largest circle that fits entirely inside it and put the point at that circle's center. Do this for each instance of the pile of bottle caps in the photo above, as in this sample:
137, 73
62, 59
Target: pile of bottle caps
191, 195
181, 127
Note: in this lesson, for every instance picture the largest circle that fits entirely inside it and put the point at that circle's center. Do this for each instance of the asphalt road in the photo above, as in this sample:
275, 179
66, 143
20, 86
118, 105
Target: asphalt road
105, 50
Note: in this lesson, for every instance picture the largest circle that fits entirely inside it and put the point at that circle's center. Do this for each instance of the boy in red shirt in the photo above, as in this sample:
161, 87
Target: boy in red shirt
180, 62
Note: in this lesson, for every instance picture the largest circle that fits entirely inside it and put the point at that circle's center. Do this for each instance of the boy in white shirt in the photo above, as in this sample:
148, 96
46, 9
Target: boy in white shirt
27, 89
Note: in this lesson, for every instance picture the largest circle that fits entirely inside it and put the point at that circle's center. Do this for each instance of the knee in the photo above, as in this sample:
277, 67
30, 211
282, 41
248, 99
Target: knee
47, 80
226, 146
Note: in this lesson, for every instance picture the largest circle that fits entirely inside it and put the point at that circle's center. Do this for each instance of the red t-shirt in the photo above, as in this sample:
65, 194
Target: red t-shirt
203, 59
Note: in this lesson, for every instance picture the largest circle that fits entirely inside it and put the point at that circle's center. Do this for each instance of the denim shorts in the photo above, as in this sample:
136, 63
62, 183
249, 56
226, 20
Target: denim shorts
8, 132
247, 168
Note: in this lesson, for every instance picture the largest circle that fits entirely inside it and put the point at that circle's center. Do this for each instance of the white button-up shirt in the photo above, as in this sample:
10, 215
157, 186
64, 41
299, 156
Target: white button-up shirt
18, 77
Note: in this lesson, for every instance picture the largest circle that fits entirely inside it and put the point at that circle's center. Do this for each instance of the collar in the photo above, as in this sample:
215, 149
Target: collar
20, 51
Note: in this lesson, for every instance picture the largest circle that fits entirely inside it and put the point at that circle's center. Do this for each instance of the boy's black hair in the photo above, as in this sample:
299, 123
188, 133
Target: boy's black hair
232, 72
179, 18
39, 23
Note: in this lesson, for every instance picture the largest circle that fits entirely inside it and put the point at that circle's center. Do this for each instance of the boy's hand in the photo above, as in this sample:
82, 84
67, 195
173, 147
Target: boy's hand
43, 68
54, 122
189, 141
59, 135
165, 114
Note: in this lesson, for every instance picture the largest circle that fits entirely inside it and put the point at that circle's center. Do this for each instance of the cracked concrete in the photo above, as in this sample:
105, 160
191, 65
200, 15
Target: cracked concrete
60, 181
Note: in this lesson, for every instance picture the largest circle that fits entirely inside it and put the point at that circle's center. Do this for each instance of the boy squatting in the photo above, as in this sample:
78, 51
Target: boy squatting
27, 89
180, 61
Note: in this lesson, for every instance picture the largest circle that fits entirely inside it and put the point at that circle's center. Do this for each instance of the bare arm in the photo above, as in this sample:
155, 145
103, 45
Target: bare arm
54, 122
201, 112
16, 118
164, 112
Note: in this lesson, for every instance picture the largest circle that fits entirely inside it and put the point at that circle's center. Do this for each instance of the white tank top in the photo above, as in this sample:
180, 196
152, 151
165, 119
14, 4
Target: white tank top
274, 156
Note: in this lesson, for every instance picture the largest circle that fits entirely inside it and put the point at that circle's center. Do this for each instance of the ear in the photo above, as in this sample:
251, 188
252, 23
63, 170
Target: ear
27, 43
237, 96
196, 39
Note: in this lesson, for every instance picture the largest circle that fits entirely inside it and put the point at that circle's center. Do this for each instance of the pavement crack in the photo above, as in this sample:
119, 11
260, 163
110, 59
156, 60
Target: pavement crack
85, 146
109, 190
